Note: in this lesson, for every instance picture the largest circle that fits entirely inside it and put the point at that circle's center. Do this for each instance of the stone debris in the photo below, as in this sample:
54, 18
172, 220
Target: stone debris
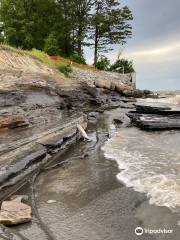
14, 212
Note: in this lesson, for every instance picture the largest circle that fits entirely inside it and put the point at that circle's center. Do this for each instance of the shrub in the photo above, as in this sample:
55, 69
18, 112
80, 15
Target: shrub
64, 68
103, 64
78, 59
51, 45
122, 66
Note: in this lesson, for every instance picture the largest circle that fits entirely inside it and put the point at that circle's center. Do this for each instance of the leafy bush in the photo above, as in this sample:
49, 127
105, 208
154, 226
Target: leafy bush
51, 45
122, 66
78, 59
103, 64
64, 68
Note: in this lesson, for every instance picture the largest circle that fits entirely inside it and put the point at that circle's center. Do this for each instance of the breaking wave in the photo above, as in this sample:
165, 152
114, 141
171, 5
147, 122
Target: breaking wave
149, 163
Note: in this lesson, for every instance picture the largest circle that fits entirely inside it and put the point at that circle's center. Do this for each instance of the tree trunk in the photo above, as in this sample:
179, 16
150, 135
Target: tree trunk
79, 37
96, 47
79, 50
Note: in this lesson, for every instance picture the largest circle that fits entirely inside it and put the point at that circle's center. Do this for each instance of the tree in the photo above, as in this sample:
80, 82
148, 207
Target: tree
109, 25
81, 10
122, 66
63, 26
26, 23
51, 45
71, 25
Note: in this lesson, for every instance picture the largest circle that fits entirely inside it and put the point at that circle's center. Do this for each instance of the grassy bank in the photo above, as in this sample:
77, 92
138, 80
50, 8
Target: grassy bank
62, 66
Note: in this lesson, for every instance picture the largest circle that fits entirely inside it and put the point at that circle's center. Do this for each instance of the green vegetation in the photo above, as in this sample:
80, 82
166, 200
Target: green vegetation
51, 45
120, 66
76, 58
63, 65
66, 69
103, 64
65, 26
41, 56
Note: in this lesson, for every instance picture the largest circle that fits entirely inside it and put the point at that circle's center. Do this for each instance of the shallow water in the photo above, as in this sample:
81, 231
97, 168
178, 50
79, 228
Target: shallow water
149, 163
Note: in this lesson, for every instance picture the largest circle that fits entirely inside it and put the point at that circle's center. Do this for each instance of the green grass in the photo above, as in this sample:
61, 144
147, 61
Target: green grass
64, 68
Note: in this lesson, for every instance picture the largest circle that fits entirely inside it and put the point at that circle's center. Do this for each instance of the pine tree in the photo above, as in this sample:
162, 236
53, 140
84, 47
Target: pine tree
63, 26
110, 24
81, 11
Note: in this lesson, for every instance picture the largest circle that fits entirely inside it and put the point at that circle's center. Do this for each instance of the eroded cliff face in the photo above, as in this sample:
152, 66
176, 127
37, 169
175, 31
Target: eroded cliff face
40, 109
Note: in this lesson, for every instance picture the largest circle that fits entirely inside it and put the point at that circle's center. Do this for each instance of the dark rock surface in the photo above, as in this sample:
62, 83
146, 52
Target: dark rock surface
155, 122
155, 116
138, 93
151, 108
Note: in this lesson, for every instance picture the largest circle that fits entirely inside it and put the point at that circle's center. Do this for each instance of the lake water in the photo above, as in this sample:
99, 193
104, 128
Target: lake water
149, 162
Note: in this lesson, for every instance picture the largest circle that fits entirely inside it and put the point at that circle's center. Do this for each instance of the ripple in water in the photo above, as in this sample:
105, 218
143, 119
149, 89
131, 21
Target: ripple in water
150, 163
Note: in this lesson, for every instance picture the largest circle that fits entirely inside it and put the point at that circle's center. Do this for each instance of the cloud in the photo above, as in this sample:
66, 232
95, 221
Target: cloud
158, 51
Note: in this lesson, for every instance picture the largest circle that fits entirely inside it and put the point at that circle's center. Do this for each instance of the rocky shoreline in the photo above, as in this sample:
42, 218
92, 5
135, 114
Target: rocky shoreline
40, 110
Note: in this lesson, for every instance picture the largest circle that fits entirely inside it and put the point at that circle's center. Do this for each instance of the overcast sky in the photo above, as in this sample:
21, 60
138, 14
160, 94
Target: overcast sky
155, 45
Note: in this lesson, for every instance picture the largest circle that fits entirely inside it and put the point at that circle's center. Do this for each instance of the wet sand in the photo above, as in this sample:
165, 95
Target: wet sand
91, 204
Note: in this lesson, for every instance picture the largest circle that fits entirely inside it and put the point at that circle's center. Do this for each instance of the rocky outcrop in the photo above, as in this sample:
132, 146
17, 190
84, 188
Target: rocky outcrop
155, 122
137, 93
152, 108
21, 158
155, 116
40, 110
123, 83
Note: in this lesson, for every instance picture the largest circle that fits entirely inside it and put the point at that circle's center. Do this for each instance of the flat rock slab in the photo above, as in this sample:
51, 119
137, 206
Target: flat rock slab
155, 122
157, 108
14, 212
151, 108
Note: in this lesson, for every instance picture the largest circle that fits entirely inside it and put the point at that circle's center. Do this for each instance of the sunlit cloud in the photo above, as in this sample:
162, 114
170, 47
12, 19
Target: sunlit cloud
172, 48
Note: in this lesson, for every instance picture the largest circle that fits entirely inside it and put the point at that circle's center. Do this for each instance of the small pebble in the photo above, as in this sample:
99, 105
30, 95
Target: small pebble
51, 201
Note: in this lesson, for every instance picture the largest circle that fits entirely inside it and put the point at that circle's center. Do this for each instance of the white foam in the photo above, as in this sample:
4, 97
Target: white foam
150, 166
170, 100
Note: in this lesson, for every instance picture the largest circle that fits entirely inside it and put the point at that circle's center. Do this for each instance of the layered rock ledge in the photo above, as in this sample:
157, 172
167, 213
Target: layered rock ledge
40, 109
155, 116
